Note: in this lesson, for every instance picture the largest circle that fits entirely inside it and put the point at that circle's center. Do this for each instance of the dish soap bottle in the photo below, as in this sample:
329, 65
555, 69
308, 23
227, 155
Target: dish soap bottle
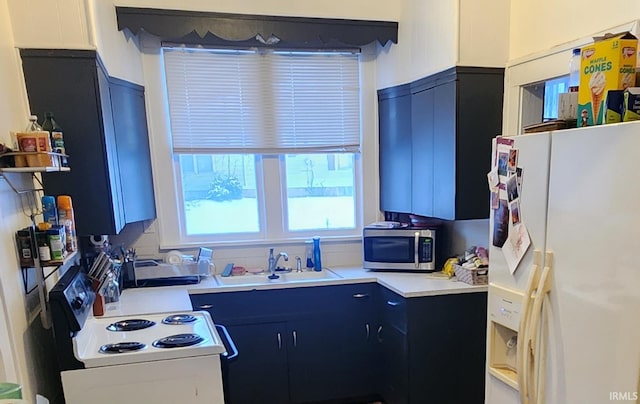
317, 256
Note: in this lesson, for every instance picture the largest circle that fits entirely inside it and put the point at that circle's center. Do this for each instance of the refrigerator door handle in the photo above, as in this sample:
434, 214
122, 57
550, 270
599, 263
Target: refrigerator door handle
537, 377
531, 354
541, 384
523, 354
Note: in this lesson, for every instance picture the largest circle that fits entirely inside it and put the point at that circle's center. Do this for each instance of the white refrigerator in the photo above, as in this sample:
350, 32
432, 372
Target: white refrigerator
564, 327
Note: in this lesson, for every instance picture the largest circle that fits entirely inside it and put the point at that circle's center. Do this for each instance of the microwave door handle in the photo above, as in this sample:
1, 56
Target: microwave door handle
416, 246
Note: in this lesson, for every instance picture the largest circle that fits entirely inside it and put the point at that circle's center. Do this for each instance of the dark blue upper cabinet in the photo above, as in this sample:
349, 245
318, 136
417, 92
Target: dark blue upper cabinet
105, 135
453, 116
394, 112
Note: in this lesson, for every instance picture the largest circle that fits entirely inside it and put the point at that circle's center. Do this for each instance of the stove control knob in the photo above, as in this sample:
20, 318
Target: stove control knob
77, 302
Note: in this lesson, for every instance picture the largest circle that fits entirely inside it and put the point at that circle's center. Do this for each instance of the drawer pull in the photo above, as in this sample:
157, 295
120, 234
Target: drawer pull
380, 334
205, 306
295, 338
392, 303
279, 341
360, 295
366, 326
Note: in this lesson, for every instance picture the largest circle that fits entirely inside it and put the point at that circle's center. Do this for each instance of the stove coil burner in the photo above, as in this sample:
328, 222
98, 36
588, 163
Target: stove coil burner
131, 325
178, 340
122, 347
178, 319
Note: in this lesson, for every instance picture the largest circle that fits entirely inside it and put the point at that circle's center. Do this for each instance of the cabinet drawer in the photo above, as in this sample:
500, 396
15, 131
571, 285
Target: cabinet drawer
393, 309
355, 298
241, 307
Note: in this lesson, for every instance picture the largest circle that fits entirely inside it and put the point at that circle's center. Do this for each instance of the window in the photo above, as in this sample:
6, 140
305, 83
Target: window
552, 90
540, 100
320, 191
265, 143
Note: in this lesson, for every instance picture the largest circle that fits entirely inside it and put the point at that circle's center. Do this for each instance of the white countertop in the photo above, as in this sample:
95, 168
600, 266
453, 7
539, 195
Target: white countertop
171, 299
168, 299
412, 284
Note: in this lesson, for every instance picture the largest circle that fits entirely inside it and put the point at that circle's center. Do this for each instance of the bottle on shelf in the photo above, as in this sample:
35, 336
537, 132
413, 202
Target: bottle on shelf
33, 125
65, 218
44, 252
574, 71
55, 133
49, 210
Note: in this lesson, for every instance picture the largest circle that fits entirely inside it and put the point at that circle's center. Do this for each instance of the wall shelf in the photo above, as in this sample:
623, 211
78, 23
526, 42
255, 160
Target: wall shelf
49, 268
29, 200
33, 169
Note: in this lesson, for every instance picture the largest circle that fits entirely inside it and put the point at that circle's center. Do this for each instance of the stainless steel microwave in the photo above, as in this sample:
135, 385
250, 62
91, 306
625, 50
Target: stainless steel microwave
399, 249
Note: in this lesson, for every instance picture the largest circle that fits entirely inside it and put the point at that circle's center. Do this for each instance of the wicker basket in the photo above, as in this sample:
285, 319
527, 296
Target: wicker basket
475, 276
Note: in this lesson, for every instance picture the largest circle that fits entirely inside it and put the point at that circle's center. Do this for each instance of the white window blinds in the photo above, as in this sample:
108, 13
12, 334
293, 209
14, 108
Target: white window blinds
224, 101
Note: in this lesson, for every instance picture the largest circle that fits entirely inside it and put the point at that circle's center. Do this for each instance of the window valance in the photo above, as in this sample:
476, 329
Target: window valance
210, 28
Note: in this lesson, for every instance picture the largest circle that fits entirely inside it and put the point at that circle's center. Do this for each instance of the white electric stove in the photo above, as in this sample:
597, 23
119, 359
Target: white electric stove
146, 338
154, 358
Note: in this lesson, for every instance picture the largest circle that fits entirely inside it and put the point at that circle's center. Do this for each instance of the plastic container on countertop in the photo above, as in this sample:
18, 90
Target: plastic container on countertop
309, 253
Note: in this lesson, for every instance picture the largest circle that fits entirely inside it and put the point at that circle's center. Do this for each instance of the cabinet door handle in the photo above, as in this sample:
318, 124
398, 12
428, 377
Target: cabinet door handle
295, 338
392, 303
360, 295
380, 334
205, 306
279, 341
366, 327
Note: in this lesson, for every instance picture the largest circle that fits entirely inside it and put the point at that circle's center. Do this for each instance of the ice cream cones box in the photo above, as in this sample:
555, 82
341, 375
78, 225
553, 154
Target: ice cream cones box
631, 104
607, 64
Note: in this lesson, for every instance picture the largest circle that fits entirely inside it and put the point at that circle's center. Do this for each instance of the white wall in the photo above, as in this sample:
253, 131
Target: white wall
537, 25
427, 37
23, 343
119, 50
77, 24
484, 32
50, 24
435, 35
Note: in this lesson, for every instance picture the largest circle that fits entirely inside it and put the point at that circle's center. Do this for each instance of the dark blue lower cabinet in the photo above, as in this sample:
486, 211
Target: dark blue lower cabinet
299, 345
351, 344
393, 365
329, 359
432, 349
259, 374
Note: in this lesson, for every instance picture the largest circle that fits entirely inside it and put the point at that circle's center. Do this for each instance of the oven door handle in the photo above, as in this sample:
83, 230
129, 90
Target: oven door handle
231, 350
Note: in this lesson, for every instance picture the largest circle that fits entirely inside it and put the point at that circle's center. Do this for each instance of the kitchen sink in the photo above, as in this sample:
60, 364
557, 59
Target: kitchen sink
284, 277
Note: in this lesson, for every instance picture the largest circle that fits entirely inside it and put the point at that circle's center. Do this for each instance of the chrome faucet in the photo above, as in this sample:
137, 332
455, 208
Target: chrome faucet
273, 262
